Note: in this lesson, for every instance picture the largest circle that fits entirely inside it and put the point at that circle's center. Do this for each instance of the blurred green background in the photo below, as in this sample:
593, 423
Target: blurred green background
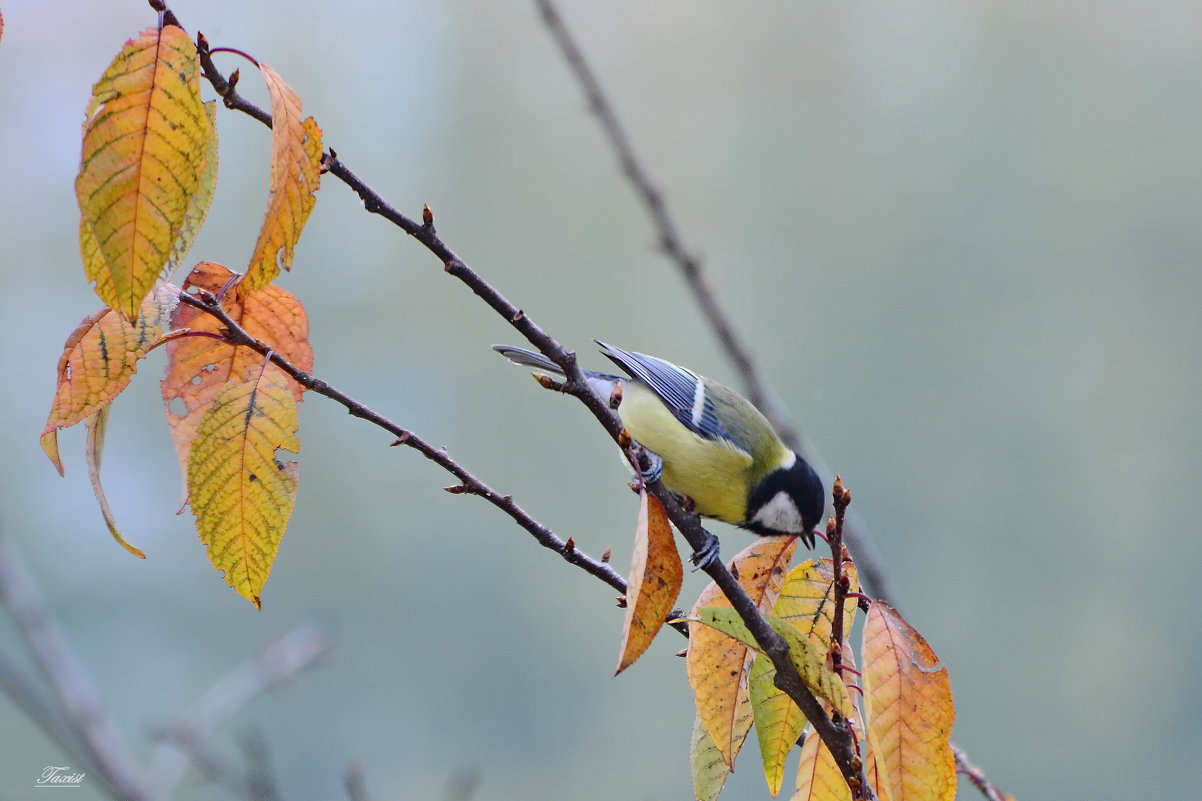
962, 239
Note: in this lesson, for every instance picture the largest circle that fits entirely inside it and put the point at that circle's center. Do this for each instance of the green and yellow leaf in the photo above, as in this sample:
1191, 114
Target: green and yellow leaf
778, 721
98, 361
807, 599
708, 766
241, 493
146, 149
654, 583
717, 666
909, 710
810, 661
295, 177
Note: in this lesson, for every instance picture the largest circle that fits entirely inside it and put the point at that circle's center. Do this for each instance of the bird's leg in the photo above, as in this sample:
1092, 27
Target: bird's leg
704, 556
643, 477
655, 468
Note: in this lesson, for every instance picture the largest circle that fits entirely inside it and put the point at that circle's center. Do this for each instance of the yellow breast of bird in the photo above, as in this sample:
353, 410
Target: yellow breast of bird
715, 474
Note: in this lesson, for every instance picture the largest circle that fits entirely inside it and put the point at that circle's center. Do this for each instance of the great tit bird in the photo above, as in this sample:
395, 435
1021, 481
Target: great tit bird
714, 446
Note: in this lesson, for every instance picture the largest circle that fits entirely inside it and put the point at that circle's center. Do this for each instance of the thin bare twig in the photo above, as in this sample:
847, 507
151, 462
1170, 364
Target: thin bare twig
840, 498
103, 745
278, 663
977, 776
672, 243
468, 482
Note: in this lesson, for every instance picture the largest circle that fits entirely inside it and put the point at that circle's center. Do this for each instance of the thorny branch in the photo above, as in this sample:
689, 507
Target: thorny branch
672, 243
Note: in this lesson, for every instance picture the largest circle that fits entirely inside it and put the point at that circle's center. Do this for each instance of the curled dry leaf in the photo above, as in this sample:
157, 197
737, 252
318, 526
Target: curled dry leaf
295, 177
654, 582
98, 361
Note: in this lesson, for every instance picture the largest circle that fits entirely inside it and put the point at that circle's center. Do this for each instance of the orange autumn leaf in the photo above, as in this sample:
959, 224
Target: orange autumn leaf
146, 149
241, 493
295, 176
654, 582
198, 368
717, 665
908, 705
818, 775
98, 361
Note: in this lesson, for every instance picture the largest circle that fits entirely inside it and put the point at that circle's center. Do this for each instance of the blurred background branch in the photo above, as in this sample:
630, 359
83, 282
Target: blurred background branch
671, 242
72, 712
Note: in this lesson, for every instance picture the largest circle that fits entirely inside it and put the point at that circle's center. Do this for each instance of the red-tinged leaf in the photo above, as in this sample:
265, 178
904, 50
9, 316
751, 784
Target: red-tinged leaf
97, 424
295, 176
98, 361
717, 665
198, 367
654, 582
909, 710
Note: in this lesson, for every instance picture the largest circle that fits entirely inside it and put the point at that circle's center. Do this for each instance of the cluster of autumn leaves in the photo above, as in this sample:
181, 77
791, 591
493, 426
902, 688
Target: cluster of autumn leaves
903, 721
147, 174
148, 169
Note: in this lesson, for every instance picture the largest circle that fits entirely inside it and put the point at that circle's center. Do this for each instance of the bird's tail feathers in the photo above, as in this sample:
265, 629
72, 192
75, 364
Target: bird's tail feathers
528, 358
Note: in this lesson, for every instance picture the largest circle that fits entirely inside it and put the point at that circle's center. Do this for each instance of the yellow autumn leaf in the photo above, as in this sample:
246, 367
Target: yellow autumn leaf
198, 368
241, 494
98, 361
809, 661
872, 770
807, 599
146, 145
909, 709
717, 665
818, 776
201, 200
708, 767
778, 721
654, 583
295, 176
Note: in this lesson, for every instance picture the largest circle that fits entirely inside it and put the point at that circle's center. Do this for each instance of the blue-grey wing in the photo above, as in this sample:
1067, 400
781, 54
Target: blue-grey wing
680, 389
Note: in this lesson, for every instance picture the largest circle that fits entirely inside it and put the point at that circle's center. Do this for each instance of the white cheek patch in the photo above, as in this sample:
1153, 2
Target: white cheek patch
779, 514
